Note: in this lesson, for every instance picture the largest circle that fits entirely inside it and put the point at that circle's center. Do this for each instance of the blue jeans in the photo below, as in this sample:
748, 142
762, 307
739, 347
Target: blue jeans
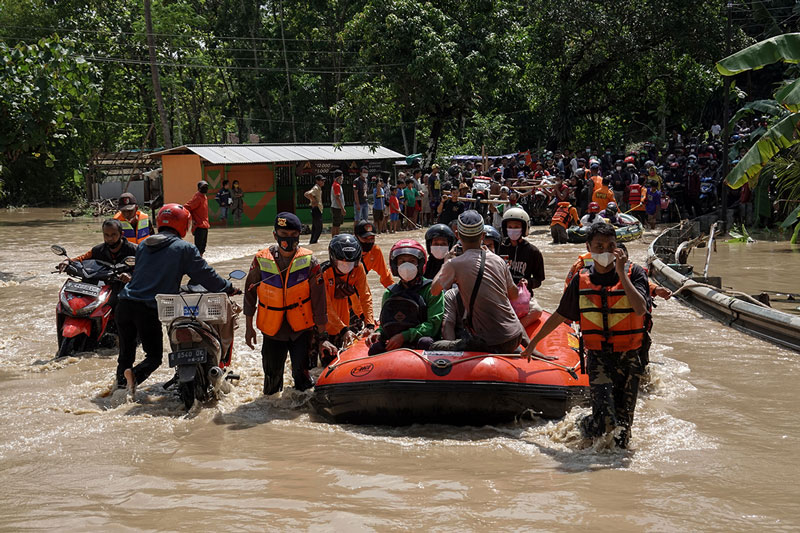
223, 213
362, 212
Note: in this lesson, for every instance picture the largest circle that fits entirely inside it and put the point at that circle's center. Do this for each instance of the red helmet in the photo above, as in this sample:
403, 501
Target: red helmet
630, 159
173, 216
410, 247
594, 207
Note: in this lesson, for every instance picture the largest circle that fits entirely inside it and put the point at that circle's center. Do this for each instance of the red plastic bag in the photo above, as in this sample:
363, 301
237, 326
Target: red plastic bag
522, 302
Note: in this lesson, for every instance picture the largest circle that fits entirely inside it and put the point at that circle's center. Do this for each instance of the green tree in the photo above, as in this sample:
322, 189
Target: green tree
47, 92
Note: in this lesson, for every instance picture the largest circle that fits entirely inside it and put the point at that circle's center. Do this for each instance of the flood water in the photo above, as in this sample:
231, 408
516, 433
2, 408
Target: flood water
714, 444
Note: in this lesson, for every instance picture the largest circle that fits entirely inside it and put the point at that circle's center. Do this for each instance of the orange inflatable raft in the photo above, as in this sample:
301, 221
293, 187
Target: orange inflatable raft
406, 386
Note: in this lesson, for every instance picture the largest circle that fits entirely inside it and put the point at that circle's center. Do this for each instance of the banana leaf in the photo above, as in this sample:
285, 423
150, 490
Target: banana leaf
789, 95
782, 135
784, 48
791, 219
770, 107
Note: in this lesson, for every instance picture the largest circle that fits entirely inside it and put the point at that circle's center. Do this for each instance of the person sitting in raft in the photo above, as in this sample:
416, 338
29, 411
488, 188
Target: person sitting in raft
344, 277
611, 214
610, 300
592, 216
486, 289
411, 315
524, 259
439, 239
452, 325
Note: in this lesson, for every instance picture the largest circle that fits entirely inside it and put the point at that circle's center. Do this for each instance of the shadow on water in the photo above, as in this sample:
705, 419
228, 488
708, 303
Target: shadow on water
590, 459
49, 222
265, 409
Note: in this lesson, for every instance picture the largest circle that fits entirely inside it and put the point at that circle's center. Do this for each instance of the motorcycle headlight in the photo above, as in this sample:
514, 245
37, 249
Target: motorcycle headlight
102, 299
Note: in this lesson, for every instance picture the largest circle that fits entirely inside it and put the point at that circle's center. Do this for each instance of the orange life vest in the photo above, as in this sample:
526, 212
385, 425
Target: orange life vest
607, 317
584, 260
290, 296
635, 197
142, 230
561, 216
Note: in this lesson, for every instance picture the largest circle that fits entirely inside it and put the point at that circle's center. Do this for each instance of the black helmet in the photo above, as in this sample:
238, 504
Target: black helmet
493, 234
454, 171
612, 208
439, 230
344, 247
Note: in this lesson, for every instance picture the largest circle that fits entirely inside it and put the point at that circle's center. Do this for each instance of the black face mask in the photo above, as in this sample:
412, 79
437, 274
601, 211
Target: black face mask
288, 244
367, 246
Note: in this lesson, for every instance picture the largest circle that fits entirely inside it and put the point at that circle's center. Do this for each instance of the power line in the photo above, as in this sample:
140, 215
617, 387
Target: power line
183, 35
233, 67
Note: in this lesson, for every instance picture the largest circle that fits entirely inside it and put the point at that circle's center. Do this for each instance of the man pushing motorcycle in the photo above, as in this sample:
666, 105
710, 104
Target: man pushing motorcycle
161, 262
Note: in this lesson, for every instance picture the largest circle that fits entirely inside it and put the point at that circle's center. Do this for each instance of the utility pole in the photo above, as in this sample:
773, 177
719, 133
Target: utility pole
162, 112
726, 134
288, 78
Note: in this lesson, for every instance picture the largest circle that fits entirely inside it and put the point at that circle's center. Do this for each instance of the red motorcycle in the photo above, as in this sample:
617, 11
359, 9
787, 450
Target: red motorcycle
84, 314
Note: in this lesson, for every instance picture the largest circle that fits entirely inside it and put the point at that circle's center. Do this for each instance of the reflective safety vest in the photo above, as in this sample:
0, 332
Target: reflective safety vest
607, 319
291, 296
404, 309
142, 230
561, 216
635, 197
584, 261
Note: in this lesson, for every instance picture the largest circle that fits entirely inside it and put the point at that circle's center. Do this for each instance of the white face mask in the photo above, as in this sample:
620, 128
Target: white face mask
514, 233
619, 168
364, 174
345, 267
439, 251
407, 271
603, 259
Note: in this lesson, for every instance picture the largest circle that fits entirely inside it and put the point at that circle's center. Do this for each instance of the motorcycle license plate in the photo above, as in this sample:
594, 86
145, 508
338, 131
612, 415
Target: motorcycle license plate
87, 289
187, 357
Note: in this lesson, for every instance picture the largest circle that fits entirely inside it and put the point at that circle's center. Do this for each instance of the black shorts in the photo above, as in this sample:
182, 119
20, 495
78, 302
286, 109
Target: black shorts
377, 214
338, 216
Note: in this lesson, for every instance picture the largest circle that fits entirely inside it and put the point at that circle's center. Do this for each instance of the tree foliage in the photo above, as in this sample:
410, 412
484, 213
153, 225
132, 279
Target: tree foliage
414, 75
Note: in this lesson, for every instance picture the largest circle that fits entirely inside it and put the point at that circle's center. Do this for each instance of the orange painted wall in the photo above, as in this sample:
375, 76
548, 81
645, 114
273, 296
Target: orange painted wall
251, 177
180, 176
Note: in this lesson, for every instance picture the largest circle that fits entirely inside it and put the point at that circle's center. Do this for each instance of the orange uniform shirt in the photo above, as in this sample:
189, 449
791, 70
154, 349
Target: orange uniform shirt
339, 308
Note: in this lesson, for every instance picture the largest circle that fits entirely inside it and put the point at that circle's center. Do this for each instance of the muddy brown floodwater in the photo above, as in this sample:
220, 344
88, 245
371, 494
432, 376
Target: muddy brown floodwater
714, 448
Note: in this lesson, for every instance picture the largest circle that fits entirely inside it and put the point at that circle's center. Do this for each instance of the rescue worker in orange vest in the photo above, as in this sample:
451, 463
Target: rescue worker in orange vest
285, 286
602, 195
371, 254
565, 216
344, 278
136, 226
610, 300
594, 174
636, 199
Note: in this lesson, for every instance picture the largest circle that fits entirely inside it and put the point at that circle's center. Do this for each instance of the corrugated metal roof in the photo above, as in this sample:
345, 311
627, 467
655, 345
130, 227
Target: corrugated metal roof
233, 154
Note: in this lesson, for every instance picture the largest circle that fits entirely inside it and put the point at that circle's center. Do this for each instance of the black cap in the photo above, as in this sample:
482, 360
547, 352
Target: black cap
337, 172
364, 229
286, 220
319, 177
127, 201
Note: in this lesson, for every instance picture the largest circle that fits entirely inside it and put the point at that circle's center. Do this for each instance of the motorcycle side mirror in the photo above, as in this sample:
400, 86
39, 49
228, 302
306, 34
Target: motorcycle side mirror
58, 250
129, 261
238, 274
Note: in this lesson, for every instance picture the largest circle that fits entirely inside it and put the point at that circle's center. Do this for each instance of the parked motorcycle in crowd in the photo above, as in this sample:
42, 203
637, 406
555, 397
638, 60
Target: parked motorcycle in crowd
85, 313
200, 327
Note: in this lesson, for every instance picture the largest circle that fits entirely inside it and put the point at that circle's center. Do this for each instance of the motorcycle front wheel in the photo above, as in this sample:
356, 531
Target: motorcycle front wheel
71, 346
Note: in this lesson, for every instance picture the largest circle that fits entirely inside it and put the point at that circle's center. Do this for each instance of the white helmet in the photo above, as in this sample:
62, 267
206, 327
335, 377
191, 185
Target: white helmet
516, 213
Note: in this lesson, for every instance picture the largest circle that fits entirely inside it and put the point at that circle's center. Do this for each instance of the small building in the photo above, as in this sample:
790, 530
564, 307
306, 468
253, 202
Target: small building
273, 176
